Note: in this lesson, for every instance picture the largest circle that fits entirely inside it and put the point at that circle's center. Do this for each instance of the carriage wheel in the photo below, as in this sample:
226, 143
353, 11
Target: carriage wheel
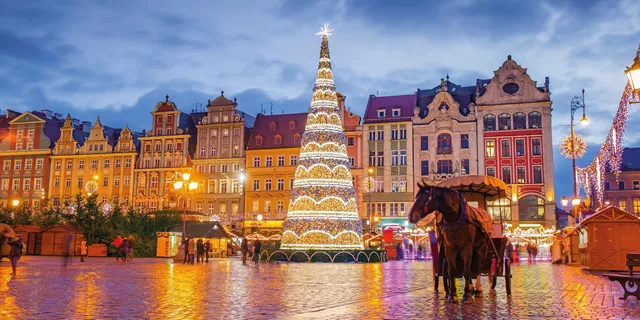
507, 275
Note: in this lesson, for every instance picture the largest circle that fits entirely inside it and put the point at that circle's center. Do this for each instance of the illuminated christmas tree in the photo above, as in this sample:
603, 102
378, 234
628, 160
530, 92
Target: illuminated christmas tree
323, 214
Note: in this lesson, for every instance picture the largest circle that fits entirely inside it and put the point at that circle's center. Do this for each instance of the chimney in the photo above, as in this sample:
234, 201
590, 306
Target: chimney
86, 126
58, 116
75, 122
47, 113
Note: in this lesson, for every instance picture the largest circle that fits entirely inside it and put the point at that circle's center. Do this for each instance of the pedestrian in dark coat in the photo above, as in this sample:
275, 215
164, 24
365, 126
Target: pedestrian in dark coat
185, 244
200, 251
244, 247
256, 251
207, 249
15, 253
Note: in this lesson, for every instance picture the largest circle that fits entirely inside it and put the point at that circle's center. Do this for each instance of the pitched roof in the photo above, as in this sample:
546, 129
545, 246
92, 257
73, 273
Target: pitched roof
208, 229
462, 95
262, 128
630, 159
406, 103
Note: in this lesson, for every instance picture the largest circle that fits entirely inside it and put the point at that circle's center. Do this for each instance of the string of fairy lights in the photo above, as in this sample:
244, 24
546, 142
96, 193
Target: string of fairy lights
323, 213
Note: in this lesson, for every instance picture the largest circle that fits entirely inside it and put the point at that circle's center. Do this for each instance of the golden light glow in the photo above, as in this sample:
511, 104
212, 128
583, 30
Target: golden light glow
575, 201
178, 185
584, 120
376, 218
564, 201
633, 73
370, 170
186, 176
606, 203
95, 177
15, 202
193, 185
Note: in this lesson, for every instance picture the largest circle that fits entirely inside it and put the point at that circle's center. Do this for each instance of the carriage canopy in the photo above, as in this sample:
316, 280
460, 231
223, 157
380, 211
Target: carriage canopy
477, 188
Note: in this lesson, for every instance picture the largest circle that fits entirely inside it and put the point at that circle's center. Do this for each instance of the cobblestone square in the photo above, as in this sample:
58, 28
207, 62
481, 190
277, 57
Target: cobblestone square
225, 289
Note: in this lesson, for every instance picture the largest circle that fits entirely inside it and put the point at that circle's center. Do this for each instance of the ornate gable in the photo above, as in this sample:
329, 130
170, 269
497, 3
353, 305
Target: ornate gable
97, 142
444, 109
26, 117
66, 144
165, 106
125, 141
512, 84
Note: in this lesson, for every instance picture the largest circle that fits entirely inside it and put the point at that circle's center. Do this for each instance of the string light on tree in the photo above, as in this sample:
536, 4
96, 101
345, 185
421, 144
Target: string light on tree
323, 213
106, 209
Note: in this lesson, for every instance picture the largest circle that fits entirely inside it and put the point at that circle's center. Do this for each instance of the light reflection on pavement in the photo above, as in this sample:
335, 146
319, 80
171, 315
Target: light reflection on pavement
226, 289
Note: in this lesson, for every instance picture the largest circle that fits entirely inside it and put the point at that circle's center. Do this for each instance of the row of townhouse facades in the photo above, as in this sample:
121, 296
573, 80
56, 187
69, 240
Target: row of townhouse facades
245, 166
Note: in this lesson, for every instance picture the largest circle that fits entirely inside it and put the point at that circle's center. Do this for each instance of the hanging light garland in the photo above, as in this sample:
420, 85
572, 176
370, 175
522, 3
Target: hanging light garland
573, 146
609, 158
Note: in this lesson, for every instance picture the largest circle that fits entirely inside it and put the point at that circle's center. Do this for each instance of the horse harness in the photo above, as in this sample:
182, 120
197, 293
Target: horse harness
464, 215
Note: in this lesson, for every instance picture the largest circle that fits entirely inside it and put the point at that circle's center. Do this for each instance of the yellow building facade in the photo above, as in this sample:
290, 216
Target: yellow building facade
271, 161
101, 163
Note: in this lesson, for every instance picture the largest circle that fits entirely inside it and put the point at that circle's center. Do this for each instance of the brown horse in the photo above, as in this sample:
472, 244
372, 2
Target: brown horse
461, 236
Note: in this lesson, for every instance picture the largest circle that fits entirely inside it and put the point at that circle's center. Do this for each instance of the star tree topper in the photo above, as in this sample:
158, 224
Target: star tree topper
324, 31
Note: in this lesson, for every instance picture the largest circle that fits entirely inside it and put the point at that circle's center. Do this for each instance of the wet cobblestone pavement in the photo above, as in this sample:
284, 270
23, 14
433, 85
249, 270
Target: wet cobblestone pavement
225, 289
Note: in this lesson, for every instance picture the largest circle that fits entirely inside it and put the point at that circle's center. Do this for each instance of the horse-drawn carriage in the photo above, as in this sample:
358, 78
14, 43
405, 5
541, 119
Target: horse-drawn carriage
452, 204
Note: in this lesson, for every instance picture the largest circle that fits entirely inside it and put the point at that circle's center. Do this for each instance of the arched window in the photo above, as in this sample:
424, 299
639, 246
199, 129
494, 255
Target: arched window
272, 126
535, 120
519, 121
277, 139
445, 166
444, 144
489, 122
292, 125
504, 121
531, 208
259, 140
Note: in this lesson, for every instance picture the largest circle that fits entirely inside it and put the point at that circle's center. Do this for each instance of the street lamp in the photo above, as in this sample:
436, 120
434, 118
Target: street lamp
185, 186
633, 73
15, 202
565, 201
370, 185
575, 201
577, 103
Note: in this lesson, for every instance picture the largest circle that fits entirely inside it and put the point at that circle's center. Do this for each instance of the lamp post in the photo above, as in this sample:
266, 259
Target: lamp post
185, 186
633, 73
370, 189
577, 103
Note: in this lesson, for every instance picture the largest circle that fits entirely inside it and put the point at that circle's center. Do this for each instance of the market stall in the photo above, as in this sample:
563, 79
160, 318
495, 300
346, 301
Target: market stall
212, 231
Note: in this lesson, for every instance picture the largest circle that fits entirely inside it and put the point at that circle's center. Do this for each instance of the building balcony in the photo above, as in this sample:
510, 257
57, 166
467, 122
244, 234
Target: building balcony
444, 150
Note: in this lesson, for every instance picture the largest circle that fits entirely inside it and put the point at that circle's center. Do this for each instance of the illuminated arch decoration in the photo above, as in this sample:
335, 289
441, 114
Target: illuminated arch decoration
323, 214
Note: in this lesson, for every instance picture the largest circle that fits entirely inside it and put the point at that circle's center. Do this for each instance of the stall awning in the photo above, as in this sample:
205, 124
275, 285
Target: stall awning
204, 229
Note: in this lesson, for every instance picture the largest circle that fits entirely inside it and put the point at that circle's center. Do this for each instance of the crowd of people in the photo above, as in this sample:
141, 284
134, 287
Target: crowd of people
124, 248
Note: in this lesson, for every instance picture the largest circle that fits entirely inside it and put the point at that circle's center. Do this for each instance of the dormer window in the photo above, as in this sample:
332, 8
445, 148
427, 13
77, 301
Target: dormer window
259, 140
296, 138
381, 113
292, 125
277, 139
272, 126
395, 113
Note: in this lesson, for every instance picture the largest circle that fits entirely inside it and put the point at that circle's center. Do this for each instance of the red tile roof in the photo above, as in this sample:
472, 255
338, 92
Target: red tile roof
262, 128
406, 103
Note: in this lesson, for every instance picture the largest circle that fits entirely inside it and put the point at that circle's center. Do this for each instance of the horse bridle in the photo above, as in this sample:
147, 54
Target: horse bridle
454, 225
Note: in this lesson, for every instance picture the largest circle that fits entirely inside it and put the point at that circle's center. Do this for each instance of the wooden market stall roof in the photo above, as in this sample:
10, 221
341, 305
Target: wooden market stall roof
609, 214
490, 187
204, 229
27, 228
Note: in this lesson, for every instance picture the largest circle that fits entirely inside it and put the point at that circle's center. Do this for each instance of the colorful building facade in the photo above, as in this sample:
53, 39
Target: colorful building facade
271, 159
219, 161
624, 192
165, 151
100, 161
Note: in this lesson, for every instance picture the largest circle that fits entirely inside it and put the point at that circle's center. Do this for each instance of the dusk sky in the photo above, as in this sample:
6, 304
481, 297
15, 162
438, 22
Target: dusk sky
116, 59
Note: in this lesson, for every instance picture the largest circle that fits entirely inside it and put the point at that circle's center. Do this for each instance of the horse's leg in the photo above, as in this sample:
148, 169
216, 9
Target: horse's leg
467, 255
450, 254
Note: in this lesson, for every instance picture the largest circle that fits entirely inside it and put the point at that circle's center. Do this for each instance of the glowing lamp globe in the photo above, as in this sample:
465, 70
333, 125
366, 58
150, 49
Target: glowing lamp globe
259, 217
15, 202
193, 185
178, 185
376, 219
633, 73
584, 121
575, 201
186, 176
606, 203
565, 201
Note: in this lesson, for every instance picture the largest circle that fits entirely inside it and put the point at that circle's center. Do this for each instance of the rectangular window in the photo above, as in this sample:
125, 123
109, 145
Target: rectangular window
5, 184
294, 160
607, 185
56, 183
403, 134
372, 158
537, 174
636, 185
464, 141
81, 164
126, 181
380, 158
154, 182
520, 147
352, 161
505, 148
394, 134
380, 135
58, 165
7, 165
18, 164
490, 149
424, 143
127, 163
280, 184
394, 157
39, 164
381, 113
27, 186
465, 166
622, 204
267, 206
37, 183
280, 161
506, 175
223, 186
67, 182
372, 135
256, 162
267, 184
636, 206
203, 151
116, 181
107, 163
94, 164
29, 145
235, 186
105, 181
268, 161
291, 181
236, 167
620, 185
424, 168
395, 113
118, 162
256, 185
80, 182
536, 150
280, 206
403, 157
520, 175
351, 141
224, 168
27, 164
212, 151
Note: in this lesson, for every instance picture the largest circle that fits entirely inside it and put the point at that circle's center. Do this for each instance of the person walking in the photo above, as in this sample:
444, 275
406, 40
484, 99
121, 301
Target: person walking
124, 249
200, 251
185, 244
534, 252
15, 253
131, 244
192, 251
207, 249
244, 247
83, 250
117, 242
256, 251
68, 250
